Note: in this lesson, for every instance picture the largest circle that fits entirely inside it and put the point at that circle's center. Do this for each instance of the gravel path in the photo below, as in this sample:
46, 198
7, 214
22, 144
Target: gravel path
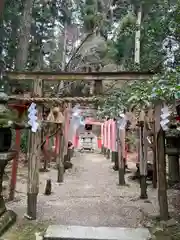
89, 196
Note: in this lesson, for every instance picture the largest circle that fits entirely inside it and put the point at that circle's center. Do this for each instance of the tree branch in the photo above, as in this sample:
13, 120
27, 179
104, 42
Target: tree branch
74, 54
77, 49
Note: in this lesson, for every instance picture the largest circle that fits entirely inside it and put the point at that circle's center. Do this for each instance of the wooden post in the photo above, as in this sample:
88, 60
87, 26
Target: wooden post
98, 87
109, 139
121, 149
98, 90
34, 162
161, 166
67, 132
57, 146
15, 166
28, 146
162, 183
105, 138
66, 128
157, 118
33, 177
60, 157
46, 158
102, 139
57, 143
143, 156
115, 157
154, 181
138, 145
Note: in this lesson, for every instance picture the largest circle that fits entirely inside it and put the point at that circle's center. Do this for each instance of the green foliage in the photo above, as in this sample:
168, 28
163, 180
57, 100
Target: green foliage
8, 31
157, 23
42, 30
131, 139
7, 117
160, 19
92, 15
164, 88
44, 20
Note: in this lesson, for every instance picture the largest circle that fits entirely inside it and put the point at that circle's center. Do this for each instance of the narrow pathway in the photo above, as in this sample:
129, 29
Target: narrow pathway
89, 196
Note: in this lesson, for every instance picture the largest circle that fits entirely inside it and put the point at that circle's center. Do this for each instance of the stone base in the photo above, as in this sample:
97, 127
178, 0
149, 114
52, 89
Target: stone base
32, 205
44, 170
6, 220
95, 233
121, 176
105, 150
172, 183
108, 154
143, 186
67, 165
114, 156
149, 171
102, 149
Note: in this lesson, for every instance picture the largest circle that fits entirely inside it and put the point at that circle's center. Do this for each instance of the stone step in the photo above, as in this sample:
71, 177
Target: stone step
95, 233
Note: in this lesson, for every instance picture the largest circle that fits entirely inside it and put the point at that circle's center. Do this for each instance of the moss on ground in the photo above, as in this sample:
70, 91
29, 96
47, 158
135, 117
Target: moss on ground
165, 233
25, 230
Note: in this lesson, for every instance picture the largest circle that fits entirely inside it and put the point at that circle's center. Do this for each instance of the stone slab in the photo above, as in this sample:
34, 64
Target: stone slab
95, 233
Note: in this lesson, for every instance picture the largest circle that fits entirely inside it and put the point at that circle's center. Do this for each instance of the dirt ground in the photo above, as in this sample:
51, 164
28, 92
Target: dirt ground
90, 196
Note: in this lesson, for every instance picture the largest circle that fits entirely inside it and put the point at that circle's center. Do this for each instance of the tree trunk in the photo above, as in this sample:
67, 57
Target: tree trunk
12, 44
61, 84
137, 49
24, 36
2, 3
138, 36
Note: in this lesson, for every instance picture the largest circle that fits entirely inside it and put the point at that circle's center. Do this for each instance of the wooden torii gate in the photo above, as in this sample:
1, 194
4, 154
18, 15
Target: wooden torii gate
38, 78
97, 77
73, 76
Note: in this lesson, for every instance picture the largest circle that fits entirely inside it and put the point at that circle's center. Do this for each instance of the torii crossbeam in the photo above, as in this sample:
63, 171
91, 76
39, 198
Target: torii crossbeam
76, 76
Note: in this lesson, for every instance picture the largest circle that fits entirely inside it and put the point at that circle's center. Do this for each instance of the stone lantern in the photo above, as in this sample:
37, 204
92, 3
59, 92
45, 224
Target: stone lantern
7, 217
173, 152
